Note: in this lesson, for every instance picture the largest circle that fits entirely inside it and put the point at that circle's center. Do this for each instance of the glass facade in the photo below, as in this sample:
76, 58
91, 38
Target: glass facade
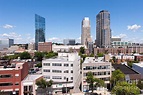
103, 31
39, 30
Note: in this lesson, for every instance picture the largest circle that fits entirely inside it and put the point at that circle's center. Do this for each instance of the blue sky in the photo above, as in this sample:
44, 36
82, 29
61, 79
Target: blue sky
63, 18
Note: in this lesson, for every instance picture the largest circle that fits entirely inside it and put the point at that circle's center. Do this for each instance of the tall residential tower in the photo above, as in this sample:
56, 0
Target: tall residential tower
39, 30
85, 36
103, 31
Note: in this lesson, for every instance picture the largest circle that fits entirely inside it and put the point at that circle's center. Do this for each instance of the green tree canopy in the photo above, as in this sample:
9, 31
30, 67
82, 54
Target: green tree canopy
51, 54
124, 88
42, 83
100, 54
25, 55
117, 75
93, 81
39, 65
140, 84
82, 50
39, 56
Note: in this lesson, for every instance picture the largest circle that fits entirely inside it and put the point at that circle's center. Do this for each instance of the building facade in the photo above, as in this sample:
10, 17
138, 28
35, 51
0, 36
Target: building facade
69, 41
39, 30
85, 35
103, 31
6, 43
31, 46
28, 85
100, 69
63, 70
11, 77
128, 50
45, 46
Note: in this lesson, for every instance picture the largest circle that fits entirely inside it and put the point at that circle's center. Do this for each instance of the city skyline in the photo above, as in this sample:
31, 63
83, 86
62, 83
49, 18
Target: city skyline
63, 18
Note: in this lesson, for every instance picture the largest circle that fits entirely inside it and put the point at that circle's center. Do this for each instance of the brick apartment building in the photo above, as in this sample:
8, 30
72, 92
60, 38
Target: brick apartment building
11, 77
127, 50
45, 46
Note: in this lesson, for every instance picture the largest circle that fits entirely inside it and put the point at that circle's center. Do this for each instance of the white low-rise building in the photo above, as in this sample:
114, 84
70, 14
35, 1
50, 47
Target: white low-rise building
98, 67
57, 48
64, 70
28, 85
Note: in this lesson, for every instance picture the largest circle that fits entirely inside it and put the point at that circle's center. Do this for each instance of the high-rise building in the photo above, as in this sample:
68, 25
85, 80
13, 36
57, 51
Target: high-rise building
103, 31
39, 30
85, 36
6, 43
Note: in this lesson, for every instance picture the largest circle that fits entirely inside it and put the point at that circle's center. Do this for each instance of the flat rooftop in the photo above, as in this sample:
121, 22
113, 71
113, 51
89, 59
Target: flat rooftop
125, 69
93, 60
30, 78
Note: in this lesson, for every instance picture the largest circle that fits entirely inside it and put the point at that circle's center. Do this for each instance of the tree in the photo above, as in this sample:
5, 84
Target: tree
82, 50
51, 54
124, 88
42, 83
39, 56
114, 59
25, 55
100, 54
39, 65
93, 81
130, 63
117, 76
91, 55
44, 86
140, 84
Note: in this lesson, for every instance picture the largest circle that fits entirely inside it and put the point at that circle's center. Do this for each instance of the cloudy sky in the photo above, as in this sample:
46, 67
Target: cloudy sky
63, 18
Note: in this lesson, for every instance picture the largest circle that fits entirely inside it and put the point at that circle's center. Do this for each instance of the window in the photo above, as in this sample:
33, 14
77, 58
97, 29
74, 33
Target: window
71, 71
66, 71
30, 88
46, 64
71, 65
56, 64
17, 83
56, 71
25, 88
6, 84
46, 70
64, 78
47, 77
56, 77
71, 78
66, 65
5, 76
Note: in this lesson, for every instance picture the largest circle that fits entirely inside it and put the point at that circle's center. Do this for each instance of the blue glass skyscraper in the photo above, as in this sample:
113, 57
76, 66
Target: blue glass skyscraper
39, 30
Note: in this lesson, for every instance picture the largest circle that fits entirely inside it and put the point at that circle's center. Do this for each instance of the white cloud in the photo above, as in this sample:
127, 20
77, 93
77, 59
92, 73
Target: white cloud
55, 39
120, 36
133, 27
8, 26
78, 40
28, 38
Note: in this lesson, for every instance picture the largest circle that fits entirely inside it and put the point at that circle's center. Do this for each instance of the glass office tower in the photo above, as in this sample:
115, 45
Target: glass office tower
103, 31
39, 30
